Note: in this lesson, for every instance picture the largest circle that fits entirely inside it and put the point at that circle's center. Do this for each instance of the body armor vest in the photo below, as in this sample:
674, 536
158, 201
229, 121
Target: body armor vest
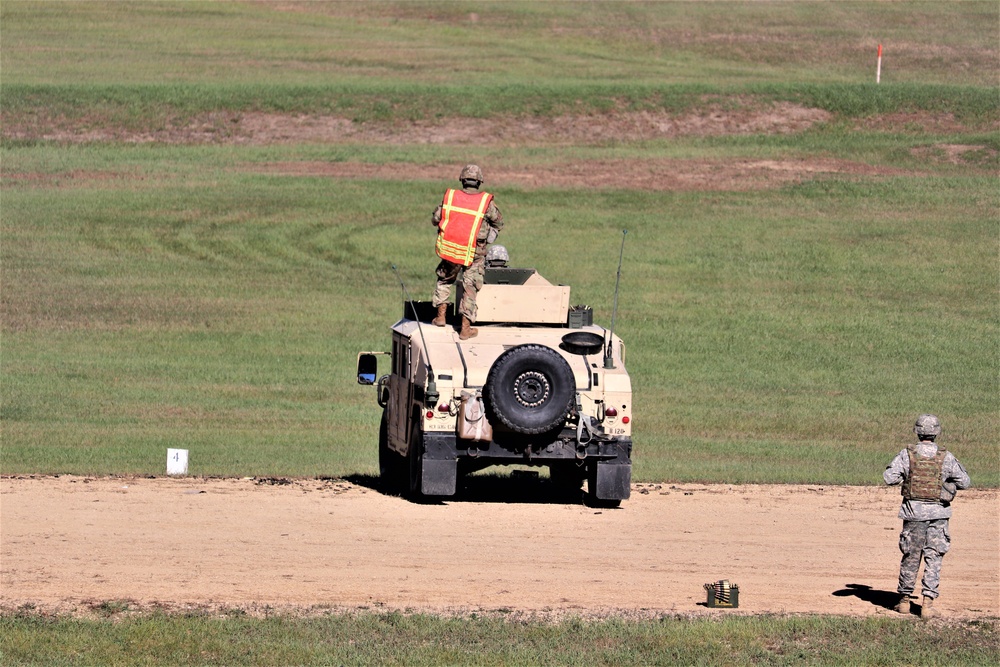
924, 481
461, 217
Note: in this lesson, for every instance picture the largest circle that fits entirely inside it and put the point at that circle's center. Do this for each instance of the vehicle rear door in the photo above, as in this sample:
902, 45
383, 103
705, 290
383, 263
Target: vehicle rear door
400, 391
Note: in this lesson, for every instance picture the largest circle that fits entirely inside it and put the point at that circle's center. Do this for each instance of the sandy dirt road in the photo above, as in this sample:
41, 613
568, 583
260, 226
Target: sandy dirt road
70, 543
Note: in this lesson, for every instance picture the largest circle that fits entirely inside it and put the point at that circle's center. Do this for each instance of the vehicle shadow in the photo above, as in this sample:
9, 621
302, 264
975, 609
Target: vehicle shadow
515, 489
879, 598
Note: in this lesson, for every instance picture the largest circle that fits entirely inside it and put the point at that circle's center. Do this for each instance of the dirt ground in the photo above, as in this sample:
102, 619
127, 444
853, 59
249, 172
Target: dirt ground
703, 175
662, 174
644, 174
72, 544
266, 129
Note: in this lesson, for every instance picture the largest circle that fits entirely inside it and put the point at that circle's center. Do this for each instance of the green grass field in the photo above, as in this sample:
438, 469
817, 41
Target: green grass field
783, 335
402, 639
503, 43
187, 294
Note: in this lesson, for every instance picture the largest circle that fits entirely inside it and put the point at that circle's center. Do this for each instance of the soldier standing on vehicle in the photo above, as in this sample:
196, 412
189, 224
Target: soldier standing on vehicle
930, 476
461, 244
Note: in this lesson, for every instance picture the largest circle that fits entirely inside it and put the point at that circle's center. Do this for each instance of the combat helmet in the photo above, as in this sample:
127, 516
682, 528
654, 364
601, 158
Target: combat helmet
497, 256
927, 425
471, 172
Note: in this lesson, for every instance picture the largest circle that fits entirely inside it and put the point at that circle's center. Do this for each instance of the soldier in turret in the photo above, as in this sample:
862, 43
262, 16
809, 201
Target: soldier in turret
497, 257
467, 221
930, 476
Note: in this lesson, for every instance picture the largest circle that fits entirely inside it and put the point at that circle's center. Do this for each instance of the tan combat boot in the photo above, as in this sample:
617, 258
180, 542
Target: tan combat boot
439, 321
467, 331
927, 609
903, 606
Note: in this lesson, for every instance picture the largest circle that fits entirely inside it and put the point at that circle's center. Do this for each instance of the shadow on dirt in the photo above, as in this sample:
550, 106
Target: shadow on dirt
517, 488
884, 599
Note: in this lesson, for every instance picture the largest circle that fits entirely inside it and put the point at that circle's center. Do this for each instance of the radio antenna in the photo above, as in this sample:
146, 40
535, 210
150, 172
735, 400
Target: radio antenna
431, 395
608, 361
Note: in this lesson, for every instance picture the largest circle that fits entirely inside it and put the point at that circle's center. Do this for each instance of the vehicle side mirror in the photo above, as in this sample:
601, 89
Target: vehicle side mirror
367, 368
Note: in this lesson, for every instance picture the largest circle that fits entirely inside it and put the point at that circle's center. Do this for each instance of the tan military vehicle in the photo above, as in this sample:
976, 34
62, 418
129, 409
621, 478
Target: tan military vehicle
540, 385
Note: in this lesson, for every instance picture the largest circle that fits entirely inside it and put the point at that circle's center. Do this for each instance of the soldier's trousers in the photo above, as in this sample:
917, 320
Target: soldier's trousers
923, 540
472, 280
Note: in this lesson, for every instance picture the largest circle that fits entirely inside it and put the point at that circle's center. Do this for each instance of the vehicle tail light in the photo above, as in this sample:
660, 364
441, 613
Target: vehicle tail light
443, 407
430, 414
611, 412
625, 420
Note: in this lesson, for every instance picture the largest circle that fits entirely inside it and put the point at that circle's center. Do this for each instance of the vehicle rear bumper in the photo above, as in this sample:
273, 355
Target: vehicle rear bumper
607, 462
447, 446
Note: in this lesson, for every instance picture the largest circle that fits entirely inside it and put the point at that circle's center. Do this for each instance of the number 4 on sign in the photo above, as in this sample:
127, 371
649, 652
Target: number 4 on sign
177, 461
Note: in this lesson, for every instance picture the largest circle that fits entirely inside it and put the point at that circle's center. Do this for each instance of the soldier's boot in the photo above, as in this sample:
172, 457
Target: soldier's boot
467, 331
927, 609
439, 321
903, 606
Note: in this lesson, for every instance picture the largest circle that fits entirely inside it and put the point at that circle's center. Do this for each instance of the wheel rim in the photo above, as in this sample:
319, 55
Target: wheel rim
532, 389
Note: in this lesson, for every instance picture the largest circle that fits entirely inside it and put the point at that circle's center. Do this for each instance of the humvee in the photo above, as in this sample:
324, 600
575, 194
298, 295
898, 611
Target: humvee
540, 385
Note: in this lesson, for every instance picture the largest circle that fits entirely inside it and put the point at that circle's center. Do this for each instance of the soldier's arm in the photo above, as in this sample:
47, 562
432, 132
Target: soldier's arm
896, 471
436, 216
955, 473
493, 216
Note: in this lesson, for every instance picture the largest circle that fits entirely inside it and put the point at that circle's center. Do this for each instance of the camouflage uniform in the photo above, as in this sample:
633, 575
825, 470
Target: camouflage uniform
472, 278
925, 532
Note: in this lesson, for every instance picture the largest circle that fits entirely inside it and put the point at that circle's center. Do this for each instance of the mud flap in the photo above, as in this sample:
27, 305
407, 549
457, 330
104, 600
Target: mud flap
438, 477
613, 481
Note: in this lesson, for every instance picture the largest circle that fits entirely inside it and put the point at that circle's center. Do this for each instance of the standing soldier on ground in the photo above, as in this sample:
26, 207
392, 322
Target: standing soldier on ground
930, 476
461, 244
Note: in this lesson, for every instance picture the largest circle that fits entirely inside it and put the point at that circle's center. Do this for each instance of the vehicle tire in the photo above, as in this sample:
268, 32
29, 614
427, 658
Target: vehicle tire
390, 464
530, 389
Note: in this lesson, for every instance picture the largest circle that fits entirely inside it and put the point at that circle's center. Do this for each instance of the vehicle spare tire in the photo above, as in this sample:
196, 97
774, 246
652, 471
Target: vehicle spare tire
530, 389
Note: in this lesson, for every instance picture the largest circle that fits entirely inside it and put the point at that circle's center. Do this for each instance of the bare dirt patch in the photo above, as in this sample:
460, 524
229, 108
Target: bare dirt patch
98, 545
960, 154
651, 175
258, 128
565, 129
66, 179
736, 116
921, 122
633, 174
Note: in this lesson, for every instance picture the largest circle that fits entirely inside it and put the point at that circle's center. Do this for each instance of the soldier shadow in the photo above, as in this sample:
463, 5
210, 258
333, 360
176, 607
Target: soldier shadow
515, 489
879, 598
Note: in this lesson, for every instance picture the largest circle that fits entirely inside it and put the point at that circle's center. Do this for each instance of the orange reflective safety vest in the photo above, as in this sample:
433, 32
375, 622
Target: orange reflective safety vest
461, 218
